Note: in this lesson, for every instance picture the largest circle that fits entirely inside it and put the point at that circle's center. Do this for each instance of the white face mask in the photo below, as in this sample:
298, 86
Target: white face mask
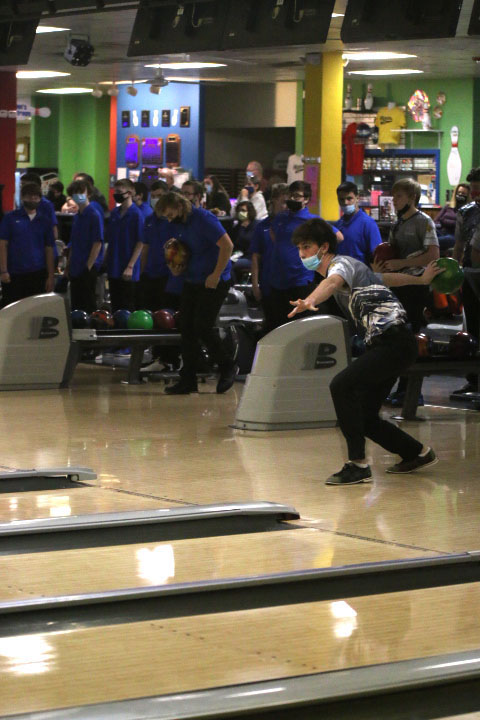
154, 201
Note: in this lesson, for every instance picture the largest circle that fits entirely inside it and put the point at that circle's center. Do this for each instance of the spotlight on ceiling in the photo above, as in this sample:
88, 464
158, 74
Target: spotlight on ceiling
79, 51
131, 90
113, 91
158, 82
97, 92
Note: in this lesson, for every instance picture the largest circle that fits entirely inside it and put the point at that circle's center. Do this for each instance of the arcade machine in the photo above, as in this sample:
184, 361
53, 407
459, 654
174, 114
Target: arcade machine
288, 387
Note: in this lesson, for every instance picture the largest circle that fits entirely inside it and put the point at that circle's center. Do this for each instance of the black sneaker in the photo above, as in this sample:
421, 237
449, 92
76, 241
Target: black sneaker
181, 388
468, 388
350, 474
227, 378
408, 466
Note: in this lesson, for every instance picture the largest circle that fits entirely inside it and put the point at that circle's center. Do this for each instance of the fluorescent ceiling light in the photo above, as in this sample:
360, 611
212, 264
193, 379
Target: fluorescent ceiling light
374, 55
186, 65
66, 91
122, 82
30, 74
338, 14
402, 71
49, 29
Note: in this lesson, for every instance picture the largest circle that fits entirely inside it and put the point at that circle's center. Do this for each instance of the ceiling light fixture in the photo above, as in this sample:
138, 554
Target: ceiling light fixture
32, 74
186, 65
97, 92
392, 71
338, 14
158, 82
121, 82
113, 91
375, 55
66, 91
79, 51
41, 29
132, 90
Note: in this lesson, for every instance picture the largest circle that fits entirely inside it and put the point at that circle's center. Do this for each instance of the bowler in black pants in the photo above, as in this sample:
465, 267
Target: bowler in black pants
359, 391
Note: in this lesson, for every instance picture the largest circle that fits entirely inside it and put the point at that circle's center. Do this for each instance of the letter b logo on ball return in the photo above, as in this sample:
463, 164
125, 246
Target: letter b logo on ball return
47, 328
324, 353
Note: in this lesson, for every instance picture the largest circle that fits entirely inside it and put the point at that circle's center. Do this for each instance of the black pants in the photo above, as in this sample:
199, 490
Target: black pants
359, 391
413, 298
23, 285
199, 307
151, 294
82, 291
280, 303
123, 294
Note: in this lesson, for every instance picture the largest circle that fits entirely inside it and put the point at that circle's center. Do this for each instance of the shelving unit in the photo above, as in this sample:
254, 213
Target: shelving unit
384, 167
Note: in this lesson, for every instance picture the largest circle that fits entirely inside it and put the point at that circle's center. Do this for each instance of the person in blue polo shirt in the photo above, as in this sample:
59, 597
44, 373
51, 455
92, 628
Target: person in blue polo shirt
86, 249
141, 199
289, 279
153, 266
124, 238
207, 279
360, 232
26, 249
261, 248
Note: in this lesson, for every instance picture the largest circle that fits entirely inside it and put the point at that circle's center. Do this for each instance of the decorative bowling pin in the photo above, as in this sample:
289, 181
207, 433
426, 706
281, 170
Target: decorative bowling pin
368, 102
348, 98
426, 122
454, 162
155, 118
134, 118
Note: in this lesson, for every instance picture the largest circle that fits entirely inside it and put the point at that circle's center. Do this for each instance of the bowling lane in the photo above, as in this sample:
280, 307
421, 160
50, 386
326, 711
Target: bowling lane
94, 569
65, 503
89, 665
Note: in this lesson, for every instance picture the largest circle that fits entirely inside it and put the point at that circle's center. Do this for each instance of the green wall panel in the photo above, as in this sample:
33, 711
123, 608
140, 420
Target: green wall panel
44, 133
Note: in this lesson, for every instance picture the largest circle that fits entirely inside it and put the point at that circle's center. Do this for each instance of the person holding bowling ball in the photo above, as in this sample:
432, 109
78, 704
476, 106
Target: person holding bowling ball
359, 390
207, 279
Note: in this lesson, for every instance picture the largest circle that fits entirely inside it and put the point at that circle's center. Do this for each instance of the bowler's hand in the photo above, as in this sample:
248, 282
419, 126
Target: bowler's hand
431, 271
127, 273
300, 306
395, 265
49, 284
211, 281
378, 266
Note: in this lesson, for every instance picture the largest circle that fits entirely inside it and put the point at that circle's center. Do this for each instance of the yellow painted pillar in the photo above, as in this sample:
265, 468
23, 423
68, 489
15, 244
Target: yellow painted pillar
323, 132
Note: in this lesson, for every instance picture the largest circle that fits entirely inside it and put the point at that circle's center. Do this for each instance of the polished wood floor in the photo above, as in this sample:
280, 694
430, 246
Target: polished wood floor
150, 450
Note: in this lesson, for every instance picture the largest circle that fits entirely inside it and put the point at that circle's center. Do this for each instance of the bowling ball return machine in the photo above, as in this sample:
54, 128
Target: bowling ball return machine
288, 387
40, 350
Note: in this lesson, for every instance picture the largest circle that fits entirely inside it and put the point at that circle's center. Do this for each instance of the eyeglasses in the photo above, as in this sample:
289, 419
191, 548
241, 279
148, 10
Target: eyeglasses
297, 196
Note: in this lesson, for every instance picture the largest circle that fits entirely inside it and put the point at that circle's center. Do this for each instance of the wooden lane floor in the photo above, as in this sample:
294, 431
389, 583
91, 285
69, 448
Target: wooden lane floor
90, 665
65, 503
70, 572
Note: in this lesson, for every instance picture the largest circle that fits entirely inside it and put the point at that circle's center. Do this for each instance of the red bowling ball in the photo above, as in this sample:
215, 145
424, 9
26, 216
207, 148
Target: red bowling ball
102, 320
462, 346
164, 320
384, 252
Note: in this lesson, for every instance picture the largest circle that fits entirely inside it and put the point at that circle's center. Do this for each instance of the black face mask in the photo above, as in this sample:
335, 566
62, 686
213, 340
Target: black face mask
119, 197
460, 200
294, 205
30, 206
403, 210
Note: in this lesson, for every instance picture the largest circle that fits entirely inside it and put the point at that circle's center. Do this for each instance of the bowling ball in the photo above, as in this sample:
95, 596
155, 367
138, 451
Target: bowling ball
384, 252
80, 319
177, 256
140, 320
357, 345
101, 320
424, 345
164, 320
451, 279
120, 318
462, 346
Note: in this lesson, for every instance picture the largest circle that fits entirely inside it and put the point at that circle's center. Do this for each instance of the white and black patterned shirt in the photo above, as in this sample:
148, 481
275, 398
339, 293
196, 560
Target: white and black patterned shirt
372, 305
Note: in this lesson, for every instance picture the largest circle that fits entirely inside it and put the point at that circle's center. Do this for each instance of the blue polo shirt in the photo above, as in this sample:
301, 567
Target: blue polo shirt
156, 234
146, 210
86, 230
361, 236
287, 270
47, 210
262, 245
96, 206
200, 233
122, 234
27, 240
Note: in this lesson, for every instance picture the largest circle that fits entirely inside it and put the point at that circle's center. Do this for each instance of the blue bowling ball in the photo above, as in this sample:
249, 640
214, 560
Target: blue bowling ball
80, 319
120, 318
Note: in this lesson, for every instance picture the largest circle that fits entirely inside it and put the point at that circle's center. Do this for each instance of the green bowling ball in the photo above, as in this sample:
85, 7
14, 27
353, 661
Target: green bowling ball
140, 320
451, 279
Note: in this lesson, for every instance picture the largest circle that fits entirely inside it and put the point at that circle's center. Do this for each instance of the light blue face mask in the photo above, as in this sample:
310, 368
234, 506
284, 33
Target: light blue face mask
79, 198
348, 209
311, 263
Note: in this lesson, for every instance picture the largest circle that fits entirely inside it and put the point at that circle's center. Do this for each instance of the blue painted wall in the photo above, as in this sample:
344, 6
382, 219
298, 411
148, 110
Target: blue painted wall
172, 97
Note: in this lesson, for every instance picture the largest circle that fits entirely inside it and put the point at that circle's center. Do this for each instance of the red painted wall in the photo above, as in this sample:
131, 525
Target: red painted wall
8, 141
113, 146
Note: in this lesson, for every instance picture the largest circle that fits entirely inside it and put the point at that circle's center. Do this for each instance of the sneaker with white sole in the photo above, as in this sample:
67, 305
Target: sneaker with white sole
408, 466
350, 474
